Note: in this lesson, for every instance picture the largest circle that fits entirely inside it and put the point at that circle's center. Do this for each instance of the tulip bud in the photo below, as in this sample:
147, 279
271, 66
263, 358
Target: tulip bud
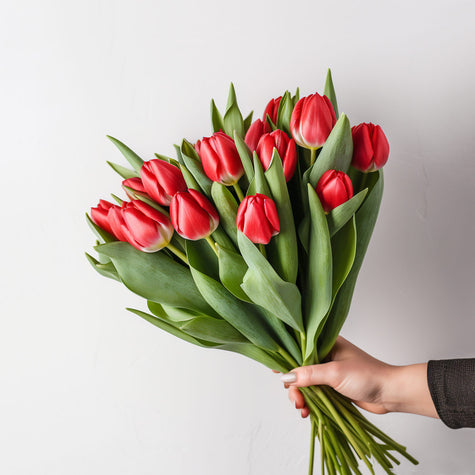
100, 213
285, 147
312, 120
192, 215
272, 109
333, 189
161, 180
220, 159
134, 184
140, 225
257, 129
257, 218
370, 147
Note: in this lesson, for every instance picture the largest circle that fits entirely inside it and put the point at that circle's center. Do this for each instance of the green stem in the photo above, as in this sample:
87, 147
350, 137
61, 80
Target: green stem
322, 446
313, 153
212, 244
238, 191
262, 248
312, 445
178, 253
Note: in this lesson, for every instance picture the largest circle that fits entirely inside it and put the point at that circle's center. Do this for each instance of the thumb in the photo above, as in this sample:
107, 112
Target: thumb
313, 375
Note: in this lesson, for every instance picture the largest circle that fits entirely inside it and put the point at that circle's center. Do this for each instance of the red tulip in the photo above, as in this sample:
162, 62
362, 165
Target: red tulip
193, 216
161, 180
136, 185
257, 218
100, 213
272, 109
370, 147
333, 189
140, 225
220, 159
285, 147
312, 120
257, 129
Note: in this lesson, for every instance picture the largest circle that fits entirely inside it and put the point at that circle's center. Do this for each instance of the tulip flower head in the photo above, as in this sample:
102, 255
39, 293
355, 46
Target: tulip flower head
312, 120
134, 184
333, 189
220, 159
272, 109
257, 218
162, 180
99, 215
285, 147
192, 215
140, 225
370, 147
257, 129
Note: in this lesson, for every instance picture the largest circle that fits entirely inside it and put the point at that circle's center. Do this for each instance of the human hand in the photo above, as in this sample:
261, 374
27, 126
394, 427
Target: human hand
371, 384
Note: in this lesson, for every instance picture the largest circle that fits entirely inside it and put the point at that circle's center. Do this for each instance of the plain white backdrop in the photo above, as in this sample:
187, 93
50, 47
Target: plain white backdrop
87, 388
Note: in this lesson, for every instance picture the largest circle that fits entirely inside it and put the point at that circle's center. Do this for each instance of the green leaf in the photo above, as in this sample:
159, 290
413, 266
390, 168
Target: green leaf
273, 361
340, 215
204, 258
260, 183
212, 329
170, 160
155, 276
102, 235
216, 118
365, 221
336, 153
283, 251
106, 270
171, 329
296, 98
146, 199
246, 157
284, 113
179, 155
231, 97
319, 282
227, 208
239, 314
329, 91
129, 154
193, 164
248, 121
125, 173
266, 288
189, 179
233, 122
232, 268
118, 200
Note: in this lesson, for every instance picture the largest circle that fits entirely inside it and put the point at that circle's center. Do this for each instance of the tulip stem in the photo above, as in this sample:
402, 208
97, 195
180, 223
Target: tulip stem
212, 245
262, 248
178, 253
313, 154
238, 191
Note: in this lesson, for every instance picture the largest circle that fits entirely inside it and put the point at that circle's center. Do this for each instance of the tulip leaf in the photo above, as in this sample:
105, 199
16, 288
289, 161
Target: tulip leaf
329, 91
296, 98
284, 113
118, 200
283, 251
246, 157
233, 122
179, 155
319, 280
102, 235
189, 179
227, 208
336, 153
232, 268
212, 329
241, 315
125, 173
106, 270
192, 162
129, 154
232, 100
203, 257
155, 276
266, 288
275, 362
216, 118
221, 238
365, 221
260, 182
175, 314
163, 325
248, 121
340, 215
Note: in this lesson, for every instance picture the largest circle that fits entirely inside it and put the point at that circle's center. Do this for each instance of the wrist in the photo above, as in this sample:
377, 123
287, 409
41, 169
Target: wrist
405, 389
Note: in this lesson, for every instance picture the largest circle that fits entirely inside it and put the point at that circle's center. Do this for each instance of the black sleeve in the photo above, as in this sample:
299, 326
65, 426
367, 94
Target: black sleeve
452, 387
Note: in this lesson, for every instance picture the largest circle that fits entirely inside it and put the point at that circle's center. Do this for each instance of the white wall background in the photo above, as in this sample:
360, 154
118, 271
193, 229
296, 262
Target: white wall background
87, 388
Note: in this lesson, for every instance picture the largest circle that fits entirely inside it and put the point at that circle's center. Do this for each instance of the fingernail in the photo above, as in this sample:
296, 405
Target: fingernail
289, 378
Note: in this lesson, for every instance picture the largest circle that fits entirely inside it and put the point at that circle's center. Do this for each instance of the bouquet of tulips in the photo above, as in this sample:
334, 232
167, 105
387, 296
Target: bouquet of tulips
251, 241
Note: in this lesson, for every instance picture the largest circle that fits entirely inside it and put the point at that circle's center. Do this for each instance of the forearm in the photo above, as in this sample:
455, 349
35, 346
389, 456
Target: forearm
405, 389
